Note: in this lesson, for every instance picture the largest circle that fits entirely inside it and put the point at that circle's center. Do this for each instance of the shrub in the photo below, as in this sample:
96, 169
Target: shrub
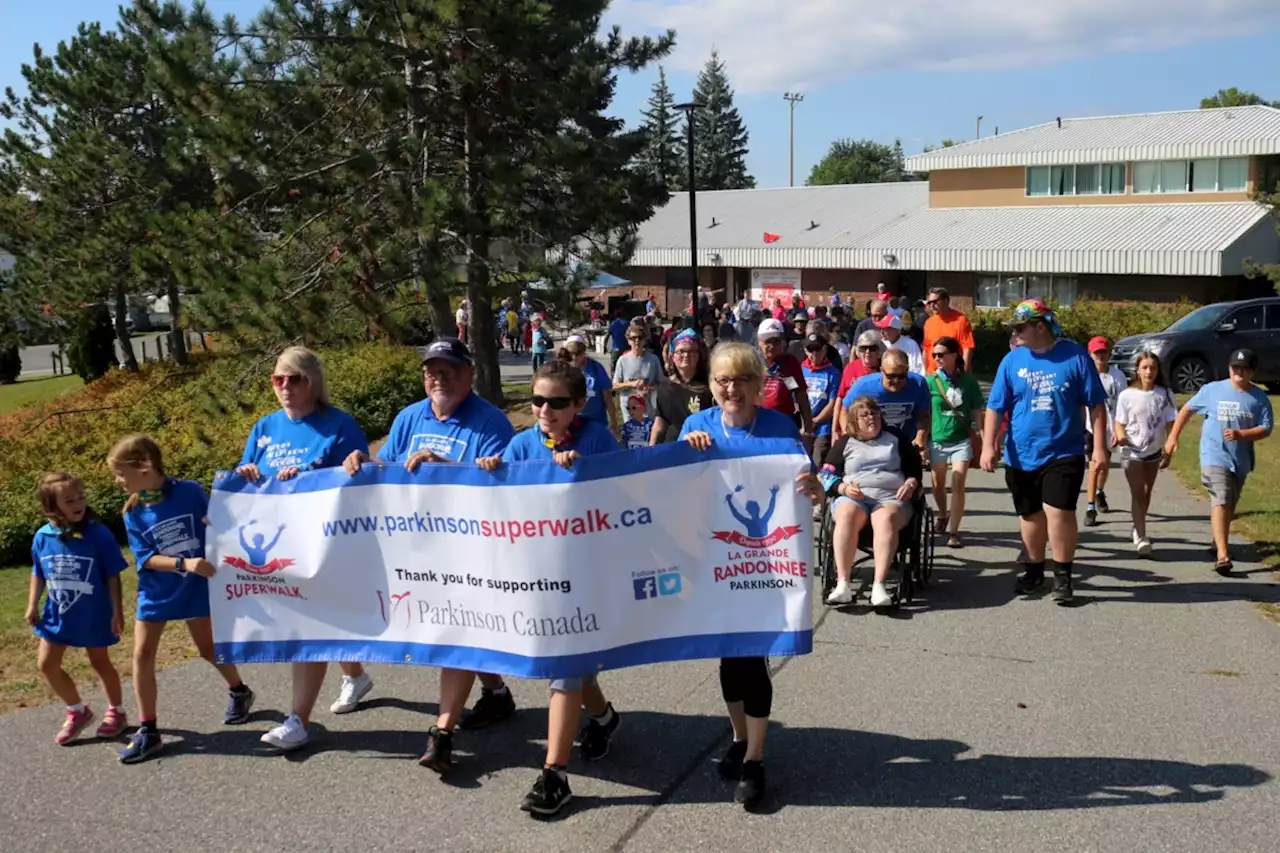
91, 351
10, 364
200, 416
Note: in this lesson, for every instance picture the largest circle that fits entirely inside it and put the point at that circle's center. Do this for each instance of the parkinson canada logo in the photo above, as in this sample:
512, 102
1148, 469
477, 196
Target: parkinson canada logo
256, 551
755, 523
760, 553
391, 604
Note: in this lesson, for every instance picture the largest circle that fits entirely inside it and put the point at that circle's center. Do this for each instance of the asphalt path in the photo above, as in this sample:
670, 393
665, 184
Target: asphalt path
1140, 720
38, 360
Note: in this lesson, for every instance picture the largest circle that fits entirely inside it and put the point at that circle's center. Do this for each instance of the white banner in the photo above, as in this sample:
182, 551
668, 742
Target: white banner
634, 557
768, 285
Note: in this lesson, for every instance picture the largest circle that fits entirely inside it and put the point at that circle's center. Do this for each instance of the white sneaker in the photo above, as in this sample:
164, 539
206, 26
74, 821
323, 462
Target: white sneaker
289, 735
1144, 547
880, 596
1133, 533
353, 690
842, 594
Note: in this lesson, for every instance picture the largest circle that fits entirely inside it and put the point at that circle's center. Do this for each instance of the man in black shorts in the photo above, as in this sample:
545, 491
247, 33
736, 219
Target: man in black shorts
1045, 385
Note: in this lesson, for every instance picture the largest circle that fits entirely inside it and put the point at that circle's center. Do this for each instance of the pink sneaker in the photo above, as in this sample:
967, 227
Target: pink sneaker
76, 722
113, 723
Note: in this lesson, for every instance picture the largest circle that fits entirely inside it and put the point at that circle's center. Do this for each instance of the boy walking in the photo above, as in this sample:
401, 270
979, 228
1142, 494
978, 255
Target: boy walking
1113, 382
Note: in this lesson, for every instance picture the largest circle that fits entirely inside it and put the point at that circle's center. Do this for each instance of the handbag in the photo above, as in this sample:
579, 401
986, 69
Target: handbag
975, 438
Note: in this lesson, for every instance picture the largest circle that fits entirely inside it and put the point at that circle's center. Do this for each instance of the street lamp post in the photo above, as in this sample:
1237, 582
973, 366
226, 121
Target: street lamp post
978, 129
688, 110
793, 98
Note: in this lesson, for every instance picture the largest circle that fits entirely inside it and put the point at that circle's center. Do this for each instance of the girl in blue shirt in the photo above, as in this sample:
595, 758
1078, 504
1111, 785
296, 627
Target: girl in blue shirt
77, 561
305, 434
165, 519
562, 434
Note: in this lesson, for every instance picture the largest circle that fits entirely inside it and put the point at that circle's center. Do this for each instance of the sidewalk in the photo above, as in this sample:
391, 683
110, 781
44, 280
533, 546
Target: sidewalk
1141, 720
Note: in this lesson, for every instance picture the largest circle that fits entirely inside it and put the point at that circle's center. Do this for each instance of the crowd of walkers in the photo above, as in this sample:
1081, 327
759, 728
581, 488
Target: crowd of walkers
874, 414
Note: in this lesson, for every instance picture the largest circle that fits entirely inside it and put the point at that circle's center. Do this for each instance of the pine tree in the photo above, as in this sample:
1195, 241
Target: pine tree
663, 157
720, 136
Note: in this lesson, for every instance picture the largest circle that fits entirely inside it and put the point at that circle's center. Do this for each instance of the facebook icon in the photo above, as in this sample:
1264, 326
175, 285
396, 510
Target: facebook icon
645, 588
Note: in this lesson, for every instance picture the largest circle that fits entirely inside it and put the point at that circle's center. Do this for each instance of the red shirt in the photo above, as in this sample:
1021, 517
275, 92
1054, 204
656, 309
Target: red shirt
775, 394
853, 371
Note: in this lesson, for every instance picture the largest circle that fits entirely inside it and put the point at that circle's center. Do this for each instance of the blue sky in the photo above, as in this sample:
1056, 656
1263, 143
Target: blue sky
916, 70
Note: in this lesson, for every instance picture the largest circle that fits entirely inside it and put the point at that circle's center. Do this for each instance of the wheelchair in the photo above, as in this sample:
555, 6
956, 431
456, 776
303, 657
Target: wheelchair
912, 564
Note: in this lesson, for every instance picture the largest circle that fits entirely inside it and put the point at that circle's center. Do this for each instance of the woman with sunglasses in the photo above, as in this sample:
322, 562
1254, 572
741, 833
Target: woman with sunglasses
563, 435
637, 370
957, 410
305, 434
685, 391
737, 377
869, 349
599, 406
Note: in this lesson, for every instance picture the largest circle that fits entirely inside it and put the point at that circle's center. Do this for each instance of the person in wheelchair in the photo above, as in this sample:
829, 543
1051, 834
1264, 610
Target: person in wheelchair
873, 473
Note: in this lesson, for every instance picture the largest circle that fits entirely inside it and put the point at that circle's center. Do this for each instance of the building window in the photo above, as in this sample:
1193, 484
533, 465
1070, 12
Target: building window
1038, 180
1081, 179
1209, 175
998, 290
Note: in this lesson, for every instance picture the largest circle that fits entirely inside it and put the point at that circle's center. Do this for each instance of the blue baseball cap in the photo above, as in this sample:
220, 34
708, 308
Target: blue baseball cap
448, 349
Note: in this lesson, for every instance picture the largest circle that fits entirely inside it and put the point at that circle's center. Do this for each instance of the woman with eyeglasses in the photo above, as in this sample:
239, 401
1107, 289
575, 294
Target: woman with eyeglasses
305, 434
737, 373
873, 473
869, 349
957, 410
599, 407
685, 391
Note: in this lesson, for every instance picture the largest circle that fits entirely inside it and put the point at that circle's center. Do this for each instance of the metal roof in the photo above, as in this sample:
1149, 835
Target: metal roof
890, 226
1186, 134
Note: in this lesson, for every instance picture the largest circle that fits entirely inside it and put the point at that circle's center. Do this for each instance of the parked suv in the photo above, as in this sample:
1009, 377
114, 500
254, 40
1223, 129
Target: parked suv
1195, 349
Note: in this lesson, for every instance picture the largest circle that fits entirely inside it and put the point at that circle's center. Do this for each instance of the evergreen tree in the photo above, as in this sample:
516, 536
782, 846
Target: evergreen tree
720, 136
663, 157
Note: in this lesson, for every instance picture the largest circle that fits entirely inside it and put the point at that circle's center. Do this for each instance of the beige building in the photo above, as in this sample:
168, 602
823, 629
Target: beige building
1153, 206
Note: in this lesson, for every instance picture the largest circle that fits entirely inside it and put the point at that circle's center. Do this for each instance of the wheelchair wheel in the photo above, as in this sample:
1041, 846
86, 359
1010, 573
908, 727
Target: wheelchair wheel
825, 567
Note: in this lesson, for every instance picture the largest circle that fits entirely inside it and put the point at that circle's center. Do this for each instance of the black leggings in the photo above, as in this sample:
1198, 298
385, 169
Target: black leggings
746, 680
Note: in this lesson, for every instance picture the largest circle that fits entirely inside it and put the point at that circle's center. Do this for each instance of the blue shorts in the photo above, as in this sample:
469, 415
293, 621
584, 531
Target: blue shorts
869, 506
571, 684
949, 454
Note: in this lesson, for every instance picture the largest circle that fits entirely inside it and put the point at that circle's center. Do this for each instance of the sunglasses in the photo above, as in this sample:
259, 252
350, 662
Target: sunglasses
556, 403
290, 379
636, 338
940, 353
895, 377
868, 349
1020, 327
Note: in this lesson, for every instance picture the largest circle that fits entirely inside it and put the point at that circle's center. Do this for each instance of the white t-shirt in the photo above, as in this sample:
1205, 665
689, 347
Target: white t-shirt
462, 317
1145, 416
915, 358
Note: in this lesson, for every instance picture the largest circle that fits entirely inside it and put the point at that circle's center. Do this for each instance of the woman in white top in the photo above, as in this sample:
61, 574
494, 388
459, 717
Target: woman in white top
1144, 411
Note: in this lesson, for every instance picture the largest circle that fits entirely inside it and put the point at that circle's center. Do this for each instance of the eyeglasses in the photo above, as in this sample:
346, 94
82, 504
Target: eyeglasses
281, 380
685, 352
556, 403
445, 376
729, 381
895, 377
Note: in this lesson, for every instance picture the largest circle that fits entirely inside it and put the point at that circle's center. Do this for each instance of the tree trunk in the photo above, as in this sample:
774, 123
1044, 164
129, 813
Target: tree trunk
177, 341
127, 359
484, 346
428, 269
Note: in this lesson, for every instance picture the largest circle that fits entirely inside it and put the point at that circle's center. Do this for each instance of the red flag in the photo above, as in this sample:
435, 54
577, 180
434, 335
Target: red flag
771, 238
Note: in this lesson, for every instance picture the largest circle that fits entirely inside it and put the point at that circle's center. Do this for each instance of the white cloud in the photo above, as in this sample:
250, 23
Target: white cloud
772, 45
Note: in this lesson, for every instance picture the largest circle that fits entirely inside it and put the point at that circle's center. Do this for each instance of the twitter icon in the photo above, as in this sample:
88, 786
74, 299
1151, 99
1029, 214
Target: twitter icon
670, 583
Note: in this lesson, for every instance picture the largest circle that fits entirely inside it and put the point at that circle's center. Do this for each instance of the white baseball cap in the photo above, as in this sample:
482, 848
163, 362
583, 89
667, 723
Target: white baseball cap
770, 328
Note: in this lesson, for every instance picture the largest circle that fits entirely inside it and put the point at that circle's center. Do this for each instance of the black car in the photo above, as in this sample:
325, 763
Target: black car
1196, 348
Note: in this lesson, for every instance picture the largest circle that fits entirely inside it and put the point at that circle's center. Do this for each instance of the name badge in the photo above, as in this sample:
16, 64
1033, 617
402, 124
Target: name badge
791, 383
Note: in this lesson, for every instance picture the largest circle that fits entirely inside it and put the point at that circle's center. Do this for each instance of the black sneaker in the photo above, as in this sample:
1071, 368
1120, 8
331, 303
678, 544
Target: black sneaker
1062, 592
730, 765
750, 790
490, 708
1028, 582
438, 755
548, 795
238, 707
144, 744
595, 737
1103, 506
1091, 518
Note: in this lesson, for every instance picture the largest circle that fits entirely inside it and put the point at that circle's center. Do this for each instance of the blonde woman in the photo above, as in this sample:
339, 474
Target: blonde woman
737, 375
305, 434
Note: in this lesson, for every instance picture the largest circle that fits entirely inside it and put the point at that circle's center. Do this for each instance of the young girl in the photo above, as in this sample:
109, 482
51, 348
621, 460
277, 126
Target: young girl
559, 396
1144, 411
165, 520
638, 427
77, 560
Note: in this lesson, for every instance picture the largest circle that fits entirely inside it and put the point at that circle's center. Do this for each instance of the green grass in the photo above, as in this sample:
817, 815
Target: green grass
1258, 515
38, 389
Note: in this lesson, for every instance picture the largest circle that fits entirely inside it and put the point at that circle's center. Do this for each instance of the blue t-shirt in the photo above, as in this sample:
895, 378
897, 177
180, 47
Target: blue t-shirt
476, 429
1225, 407
75, 570
1046, 395
174, 527
823, 384
768, 424
540, 340
903, 409
320, 440
593, 437
598, 385
636, 433
618, 335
